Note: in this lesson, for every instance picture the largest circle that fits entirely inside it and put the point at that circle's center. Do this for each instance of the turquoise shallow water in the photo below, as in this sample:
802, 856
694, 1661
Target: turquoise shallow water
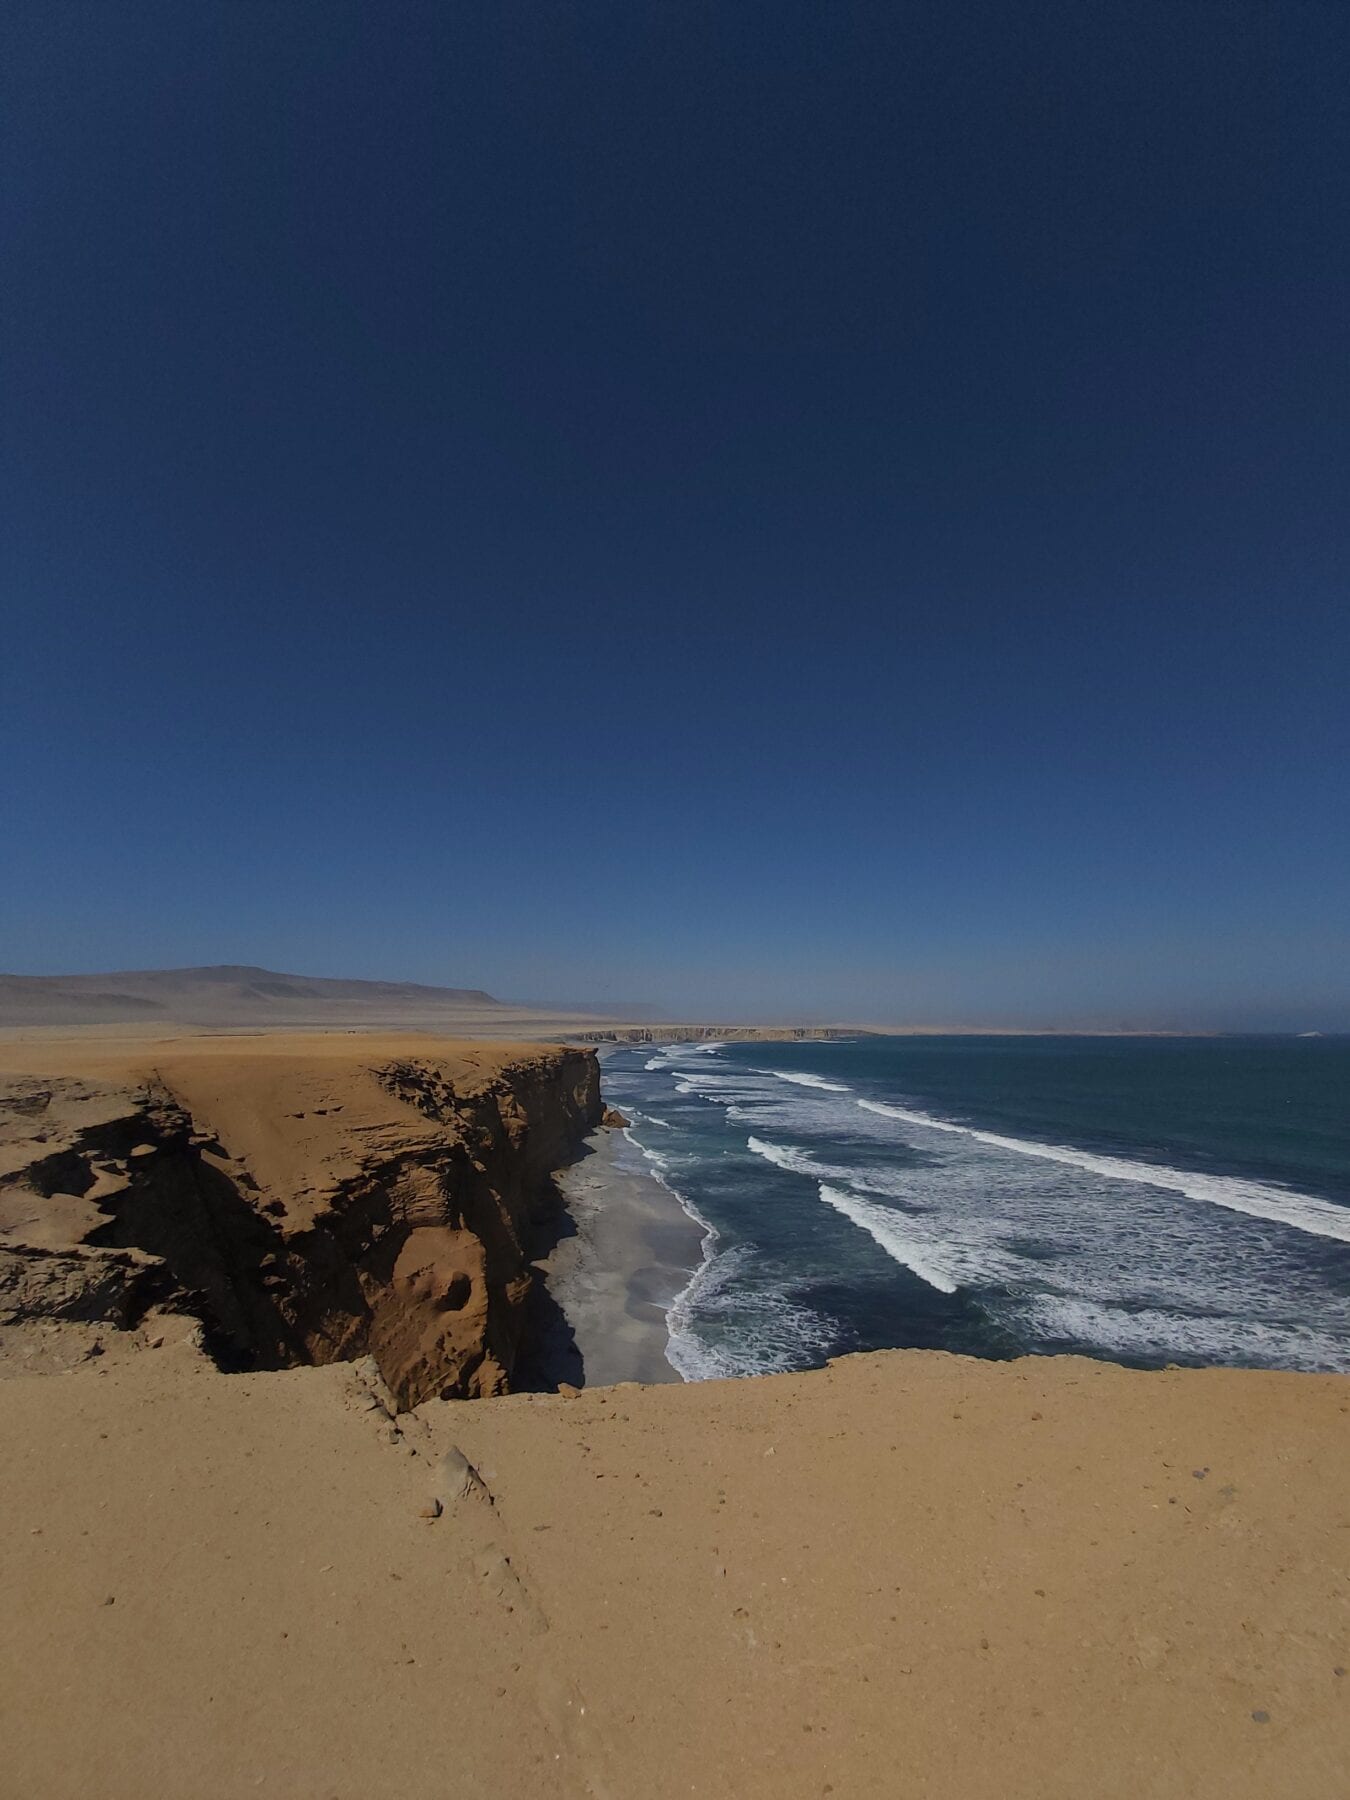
1147, 1200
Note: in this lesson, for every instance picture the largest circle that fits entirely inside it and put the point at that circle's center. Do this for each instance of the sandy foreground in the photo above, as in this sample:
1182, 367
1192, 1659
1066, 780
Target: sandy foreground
904, 1575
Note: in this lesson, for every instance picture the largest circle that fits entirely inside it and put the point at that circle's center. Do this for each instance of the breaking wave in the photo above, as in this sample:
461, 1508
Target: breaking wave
1259, 1200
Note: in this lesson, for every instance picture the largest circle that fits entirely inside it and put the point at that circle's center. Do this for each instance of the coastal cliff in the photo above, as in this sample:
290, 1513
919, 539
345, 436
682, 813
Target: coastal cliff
291, 1208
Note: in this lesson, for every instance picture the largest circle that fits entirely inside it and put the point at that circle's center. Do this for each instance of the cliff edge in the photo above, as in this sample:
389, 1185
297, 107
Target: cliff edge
294, 1201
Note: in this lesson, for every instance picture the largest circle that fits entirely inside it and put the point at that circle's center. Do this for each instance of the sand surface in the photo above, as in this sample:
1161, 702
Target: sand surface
631, 1248
109, 1053
906, 1575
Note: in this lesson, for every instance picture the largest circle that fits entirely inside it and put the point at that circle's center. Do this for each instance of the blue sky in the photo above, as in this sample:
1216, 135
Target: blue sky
779, 509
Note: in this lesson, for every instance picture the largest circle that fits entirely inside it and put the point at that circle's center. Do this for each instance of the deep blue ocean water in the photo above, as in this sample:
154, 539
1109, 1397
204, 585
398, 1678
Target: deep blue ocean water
1147, 1200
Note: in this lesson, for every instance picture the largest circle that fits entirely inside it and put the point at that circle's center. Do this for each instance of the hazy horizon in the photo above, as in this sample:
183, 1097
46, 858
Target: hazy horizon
784, 512
718, 1006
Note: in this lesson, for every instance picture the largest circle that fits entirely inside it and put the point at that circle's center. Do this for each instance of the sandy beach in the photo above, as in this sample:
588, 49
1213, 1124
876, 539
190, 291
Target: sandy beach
627, 1251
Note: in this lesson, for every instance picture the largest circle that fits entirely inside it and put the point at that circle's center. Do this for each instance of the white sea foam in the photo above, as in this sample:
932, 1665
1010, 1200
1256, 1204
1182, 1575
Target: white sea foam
898, 1237
1259, 1200
1151, 1332
799, 1079
654, 1157
896, 1184
684, 1351
722, 1327
714, 1085
784, 1156
1058, 1245
671, 1054
749, 1331
682, 1346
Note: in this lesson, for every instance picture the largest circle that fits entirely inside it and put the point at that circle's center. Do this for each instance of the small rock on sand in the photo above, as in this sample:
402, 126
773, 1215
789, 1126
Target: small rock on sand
459, 1480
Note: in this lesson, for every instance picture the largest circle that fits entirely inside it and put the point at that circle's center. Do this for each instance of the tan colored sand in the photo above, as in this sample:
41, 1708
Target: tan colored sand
516, 1024
97, 1051
907, 1575
290, 1105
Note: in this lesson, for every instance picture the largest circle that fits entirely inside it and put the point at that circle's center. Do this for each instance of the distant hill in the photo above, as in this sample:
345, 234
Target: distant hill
227, 995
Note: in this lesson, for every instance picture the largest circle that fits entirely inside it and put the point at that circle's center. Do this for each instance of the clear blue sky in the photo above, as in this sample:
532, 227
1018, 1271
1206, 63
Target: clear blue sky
837, 509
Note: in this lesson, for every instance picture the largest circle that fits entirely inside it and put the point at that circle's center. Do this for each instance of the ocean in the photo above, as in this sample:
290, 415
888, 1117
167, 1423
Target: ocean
1145, 1200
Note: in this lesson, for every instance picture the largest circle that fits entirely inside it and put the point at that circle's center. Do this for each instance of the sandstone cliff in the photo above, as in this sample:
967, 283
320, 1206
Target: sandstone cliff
295, 1205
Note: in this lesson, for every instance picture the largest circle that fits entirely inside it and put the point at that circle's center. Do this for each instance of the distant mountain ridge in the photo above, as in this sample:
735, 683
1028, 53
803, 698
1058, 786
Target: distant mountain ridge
224, 994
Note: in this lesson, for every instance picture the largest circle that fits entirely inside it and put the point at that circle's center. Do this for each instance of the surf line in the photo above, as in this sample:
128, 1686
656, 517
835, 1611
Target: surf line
801, 1079
1278, 1206
683, 1351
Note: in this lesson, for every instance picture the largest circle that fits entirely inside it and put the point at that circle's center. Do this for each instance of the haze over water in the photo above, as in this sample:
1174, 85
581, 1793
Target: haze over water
1151, 1201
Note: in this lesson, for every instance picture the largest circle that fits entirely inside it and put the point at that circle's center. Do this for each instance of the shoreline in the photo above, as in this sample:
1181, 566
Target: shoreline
626, 1251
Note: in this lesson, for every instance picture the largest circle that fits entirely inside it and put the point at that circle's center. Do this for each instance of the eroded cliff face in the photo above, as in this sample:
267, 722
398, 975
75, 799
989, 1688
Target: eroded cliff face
294, 1209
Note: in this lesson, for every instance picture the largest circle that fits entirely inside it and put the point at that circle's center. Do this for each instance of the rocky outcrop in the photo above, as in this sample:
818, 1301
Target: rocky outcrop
393, 1220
